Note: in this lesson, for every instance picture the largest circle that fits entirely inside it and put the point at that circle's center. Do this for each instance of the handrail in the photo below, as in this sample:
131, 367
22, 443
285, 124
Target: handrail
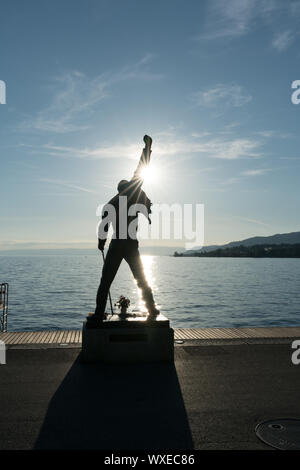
3, 306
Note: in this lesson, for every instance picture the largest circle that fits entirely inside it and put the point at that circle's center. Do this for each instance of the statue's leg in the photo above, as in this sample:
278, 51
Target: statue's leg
111, 265
133, 258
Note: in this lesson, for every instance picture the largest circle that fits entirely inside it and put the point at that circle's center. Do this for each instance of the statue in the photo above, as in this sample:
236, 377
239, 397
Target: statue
130, 200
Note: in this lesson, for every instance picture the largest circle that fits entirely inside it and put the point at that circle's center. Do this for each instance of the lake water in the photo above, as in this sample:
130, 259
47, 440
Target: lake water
57, 291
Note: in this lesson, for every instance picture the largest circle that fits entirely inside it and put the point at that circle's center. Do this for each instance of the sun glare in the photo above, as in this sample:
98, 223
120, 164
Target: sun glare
150, 174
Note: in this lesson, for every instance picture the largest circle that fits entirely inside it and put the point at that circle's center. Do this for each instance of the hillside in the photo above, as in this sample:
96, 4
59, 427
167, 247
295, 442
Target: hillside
253, 251
278, 239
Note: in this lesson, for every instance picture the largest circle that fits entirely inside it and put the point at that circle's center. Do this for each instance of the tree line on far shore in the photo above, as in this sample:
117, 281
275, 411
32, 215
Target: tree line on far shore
255, 251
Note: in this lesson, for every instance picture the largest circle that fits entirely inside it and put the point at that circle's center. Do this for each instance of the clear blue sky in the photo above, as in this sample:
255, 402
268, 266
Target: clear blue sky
210, 81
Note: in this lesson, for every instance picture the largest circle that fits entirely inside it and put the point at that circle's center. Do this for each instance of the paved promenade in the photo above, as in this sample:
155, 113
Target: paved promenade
211, 398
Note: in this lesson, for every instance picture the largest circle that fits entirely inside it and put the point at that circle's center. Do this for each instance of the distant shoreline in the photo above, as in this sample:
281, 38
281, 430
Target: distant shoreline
144, 250
241, 251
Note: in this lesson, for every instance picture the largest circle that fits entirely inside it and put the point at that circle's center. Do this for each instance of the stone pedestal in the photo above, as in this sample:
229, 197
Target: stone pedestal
130, 340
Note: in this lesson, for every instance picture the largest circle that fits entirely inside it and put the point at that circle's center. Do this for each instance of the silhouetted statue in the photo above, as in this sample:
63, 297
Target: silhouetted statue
122, 212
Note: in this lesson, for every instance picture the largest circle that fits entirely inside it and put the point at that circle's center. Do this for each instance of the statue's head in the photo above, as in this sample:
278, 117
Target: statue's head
122, 186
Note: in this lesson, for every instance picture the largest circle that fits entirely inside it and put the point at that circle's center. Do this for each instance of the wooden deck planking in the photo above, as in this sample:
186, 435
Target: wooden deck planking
39, 337
79, 335
31, 337
69, 336
75, 337
72, 334
57, 333
22, 337
59, 337
47, 337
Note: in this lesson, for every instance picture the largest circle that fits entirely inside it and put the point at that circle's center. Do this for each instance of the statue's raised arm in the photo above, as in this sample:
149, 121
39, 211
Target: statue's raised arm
144, 159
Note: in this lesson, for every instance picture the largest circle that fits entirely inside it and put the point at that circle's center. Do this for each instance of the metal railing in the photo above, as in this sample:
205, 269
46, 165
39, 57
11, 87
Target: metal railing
3, 306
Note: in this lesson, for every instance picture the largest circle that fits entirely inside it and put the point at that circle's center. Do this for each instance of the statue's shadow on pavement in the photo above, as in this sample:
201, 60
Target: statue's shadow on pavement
128, 406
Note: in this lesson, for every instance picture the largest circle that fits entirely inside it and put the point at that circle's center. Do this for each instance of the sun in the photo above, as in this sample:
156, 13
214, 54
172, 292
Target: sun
150, 174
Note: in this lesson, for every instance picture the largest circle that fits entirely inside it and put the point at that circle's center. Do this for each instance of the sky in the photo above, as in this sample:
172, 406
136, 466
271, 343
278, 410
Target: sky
210, 81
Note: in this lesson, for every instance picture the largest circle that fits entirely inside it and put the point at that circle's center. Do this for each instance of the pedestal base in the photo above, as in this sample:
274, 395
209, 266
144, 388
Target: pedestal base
130, 341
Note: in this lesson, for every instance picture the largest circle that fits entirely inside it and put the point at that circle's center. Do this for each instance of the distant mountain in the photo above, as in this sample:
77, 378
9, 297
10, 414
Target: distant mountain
254, 251
278, 239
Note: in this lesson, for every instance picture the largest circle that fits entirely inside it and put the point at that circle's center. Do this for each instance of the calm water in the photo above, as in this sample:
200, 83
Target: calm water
57, 291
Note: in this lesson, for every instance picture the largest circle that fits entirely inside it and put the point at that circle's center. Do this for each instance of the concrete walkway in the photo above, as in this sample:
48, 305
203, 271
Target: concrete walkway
212, 398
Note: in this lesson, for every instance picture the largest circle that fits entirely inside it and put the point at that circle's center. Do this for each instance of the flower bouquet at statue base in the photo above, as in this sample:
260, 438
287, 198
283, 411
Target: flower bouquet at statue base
123, 304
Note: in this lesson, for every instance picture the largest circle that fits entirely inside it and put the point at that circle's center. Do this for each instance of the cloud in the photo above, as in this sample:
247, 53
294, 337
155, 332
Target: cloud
66, 185
130, 151
274, 133
76, 96
227, 149
200, 134
233, 149
228, 18
256, 172
289, 158
168, 145
255, 221
267, 133
232, 19
295, 8
283, 40
222, 95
